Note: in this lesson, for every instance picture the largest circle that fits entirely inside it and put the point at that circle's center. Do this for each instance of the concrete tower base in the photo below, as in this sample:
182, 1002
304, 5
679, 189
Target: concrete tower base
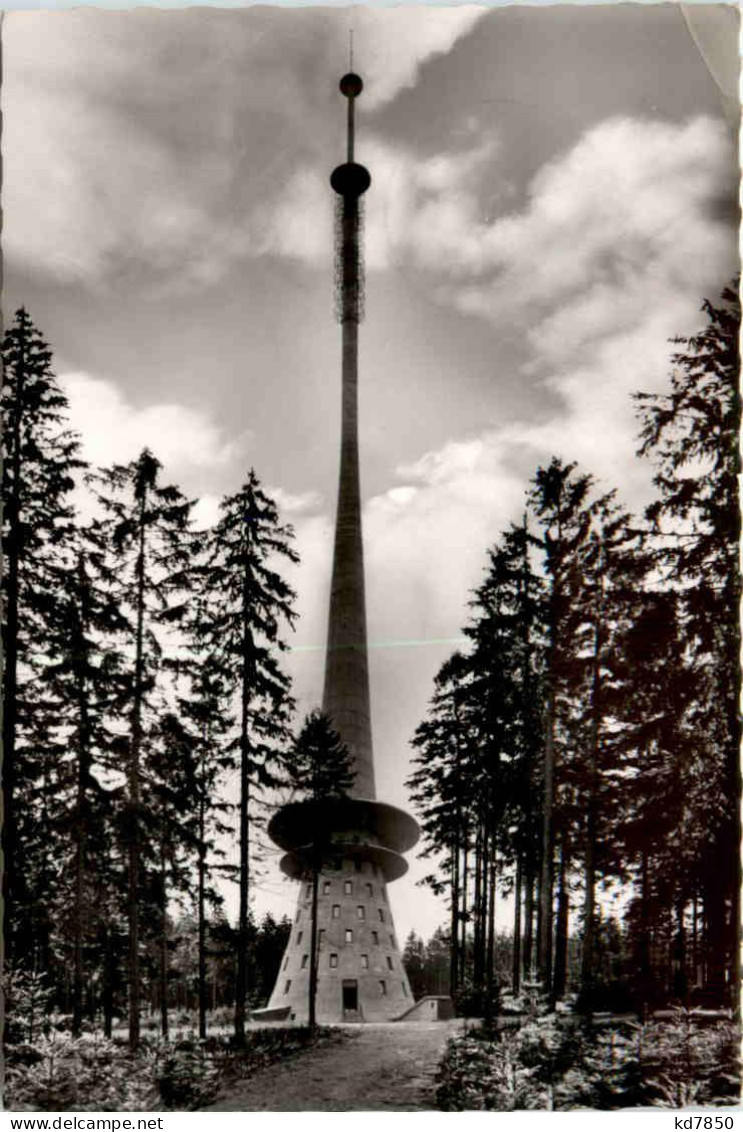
360, 976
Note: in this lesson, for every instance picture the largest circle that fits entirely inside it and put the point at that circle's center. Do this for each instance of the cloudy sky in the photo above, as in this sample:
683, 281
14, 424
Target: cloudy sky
554, 192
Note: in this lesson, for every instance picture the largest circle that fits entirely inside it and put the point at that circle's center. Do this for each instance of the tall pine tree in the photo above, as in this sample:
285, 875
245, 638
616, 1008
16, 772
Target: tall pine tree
146, 524
245, 550
40, 461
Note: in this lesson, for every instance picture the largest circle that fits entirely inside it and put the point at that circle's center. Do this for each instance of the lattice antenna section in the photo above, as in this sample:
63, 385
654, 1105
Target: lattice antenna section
349, 259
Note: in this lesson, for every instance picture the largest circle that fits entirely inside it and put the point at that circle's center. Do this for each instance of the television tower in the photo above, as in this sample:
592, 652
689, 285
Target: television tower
359, 971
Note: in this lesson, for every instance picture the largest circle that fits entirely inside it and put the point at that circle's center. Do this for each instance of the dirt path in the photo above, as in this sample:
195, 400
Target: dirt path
378, 1066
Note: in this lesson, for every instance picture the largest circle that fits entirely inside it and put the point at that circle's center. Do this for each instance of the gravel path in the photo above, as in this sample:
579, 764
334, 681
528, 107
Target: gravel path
379, 1066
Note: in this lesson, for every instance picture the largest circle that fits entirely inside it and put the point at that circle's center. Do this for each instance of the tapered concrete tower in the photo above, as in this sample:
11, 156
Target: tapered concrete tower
360, 976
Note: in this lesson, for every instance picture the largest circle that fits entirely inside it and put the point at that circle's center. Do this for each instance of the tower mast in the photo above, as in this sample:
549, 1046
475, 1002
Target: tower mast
346, 696
360, 841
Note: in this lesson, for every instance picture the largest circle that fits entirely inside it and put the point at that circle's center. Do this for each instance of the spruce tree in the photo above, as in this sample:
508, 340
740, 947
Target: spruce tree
40, 461
507, 662
245, 550
146, 525
205, 722
85, 682
560, 502
443, 791
692, 435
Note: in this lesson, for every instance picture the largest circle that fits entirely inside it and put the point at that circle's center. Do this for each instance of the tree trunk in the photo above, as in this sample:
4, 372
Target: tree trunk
13, 884
561, 942
529, 924
203, 988
493, 892
241, 988
680, 981
454, 922
477, 951
107, 996
516, 964
589, 862
163, 979
134, 791
546, 878
465, 898
81, 823
646, 975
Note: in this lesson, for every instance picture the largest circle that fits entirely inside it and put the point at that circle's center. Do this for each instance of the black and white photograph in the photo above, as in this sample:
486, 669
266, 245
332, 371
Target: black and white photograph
371, 558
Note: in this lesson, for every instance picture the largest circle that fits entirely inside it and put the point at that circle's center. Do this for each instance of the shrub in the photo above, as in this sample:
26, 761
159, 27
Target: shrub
557, 1062
186, 1076
488, 1075
690, 1063
86, 1074
91, 1073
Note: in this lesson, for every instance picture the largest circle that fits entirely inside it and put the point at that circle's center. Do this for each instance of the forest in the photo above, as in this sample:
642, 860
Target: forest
580, 754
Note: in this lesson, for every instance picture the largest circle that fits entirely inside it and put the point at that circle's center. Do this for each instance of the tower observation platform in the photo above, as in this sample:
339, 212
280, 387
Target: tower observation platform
359, 970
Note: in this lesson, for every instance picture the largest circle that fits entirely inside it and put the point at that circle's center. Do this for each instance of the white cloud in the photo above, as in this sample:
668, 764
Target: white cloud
394, 43
294, 503
100, 173
115, 431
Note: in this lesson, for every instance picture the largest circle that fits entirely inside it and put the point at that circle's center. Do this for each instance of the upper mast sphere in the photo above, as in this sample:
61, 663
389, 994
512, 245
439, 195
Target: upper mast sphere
351, 85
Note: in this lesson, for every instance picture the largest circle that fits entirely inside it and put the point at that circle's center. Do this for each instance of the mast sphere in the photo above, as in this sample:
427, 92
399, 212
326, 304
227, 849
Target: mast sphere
350, 180
351, 85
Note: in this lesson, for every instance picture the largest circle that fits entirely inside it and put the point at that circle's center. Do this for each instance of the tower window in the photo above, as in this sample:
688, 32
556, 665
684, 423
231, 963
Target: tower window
404, 990
286, 963
333, 959
299, 916
365, 962
382, 987
370, 888
348, 887
392, 941
375, 937
381, 914
336, 911
288, 986
299, 938
349, 935
360, 912
326, 887
304, 960
389, 964
320, 936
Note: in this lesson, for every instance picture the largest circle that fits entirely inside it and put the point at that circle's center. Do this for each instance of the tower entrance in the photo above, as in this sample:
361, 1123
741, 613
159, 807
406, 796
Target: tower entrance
350, 996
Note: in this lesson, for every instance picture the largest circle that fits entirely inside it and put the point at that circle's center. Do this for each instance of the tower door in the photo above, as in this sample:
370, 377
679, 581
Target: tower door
350, 995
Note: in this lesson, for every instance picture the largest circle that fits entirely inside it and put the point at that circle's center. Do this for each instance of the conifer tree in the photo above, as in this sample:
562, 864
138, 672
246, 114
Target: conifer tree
559, 499
40, 460
442, 790
507, 664
84, 680
205, 721
245, 549
692, 434
147, 526
171, 823
613, 572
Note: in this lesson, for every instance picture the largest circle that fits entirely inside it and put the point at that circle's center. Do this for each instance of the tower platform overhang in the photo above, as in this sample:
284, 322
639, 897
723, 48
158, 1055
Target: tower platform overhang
297, 864
343, 821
